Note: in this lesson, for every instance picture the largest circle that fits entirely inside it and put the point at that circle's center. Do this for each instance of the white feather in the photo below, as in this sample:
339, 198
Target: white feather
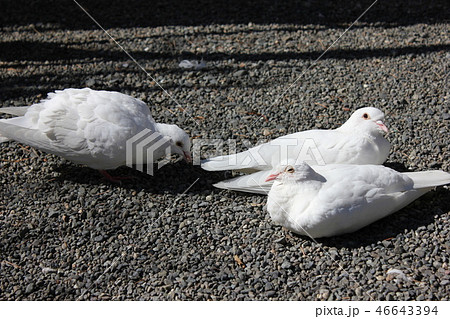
360, 140
252, 183
15, 110
192, 64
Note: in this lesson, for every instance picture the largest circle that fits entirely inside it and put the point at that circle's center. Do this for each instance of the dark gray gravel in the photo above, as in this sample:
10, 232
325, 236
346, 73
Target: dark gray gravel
66, 234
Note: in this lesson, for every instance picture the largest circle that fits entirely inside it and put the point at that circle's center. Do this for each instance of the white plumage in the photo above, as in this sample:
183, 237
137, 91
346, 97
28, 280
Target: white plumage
250, 183
337, 199
359, 140
88, 127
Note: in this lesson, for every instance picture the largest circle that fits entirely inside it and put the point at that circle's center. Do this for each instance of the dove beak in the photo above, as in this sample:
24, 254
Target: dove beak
271, 177
187, 157
382, 126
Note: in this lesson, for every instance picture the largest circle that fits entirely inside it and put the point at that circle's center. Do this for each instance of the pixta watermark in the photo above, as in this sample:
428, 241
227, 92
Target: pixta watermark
147, 148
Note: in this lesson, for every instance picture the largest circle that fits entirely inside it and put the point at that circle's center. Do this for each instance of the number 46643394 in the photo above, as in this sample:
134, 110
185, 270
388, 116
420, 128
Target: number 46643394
407, 310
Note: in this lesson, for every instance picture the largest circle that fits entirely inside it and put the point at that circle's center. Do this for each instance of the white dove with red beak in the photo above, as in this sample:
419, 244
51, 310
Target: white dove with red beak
339, 199
89, 127
360, 140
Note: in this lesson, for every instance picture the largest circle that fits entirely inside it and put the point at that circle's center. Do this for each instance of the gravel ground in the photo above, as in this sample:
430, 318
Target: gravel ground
66, 234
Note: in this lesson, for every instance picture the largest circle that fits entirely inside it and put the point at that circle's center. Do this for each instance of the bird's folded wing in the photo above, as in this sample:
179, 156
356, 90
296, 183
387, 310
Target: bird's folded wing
253, 183
15, 110
428, 179
32, 137
254, 159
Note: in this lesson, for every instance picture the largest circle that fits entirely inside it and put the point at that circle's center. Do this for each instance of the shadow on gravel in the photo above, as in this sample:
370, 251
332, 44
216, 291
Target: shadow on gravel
19, 86
45, 51
170, 179
399, 167
142, 13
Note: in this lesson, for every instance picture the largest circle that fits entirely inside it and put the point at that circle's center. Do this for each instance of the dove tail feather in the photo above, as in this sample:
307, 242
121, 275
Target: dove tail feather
24, 135
4, 139
15, 110
429, 179
243, 162
253, 183
220, 163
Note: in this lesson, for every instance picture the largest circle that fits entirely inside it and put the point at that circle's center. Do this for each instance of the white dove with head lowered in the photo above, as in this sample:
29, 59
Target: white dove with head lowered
89, 127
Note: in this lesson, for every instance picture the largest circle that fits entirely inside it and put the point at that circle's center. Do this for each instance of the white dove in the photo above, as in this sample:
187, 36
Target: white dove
89, 127
342, 198
359, 140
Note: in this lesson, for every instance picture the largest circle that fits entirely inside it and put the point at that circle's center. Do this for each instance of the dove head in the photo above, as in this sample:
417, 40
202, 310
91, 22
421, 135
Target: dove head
294, 174
180, 142
366, 120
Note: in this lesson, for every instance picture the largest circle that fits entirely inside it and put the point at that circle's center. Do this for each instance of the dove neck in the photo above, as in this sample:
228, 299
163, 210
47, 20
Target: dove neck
349, 127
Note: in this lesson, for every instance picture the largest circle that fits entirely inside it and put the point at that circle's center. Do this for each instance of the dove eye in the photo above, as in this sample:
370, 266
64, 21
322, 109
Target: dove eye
290, 169
179, 144
366, 116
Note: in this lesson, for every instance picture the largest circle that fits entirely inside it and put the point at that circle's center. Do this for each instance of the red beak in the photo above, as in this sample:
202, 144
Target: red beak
271, 177
187, 157
382, 126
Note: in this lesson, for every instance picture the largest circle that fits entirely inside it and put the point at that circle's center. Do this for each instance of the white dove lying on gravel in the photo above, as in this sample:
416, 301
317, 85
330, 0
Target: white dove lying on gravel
341, 199
360, 140
89, 127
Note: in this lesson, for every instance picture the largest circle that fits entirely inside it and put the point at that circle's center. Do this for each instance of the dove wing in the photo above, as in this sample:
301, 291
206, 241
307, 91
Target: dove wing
252, 183
355, 196
85, 126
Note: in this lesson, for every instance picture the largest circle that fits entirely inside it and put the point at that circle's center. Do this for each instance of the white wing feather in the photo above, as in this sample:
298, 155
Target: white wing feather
252, 183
